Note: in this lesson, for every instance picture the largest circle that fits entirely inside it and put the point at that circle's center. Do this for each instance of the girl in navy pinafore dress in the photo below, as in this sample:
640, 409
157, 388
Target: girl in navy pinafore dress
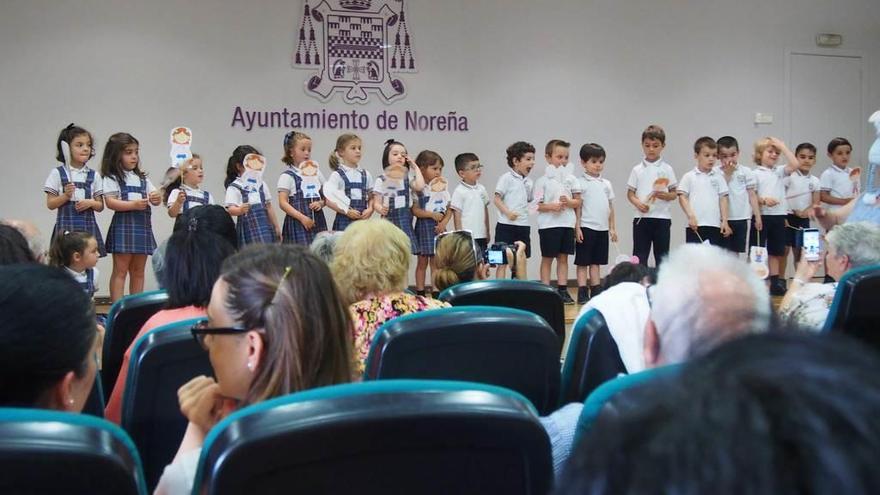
74, 189
299, 191
185, 192
431, 219
249, 202
129, 194
348, 189
392, 196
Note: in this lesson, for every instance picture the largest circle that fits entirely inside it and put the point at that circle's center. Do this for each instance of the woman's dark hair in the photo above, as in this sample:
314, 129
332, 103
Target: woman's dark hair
65, 244
289, 293
235, 161
111, 160
211, 218
629, 272
48, 330
192, 264
66, 135
387, 151
14, 247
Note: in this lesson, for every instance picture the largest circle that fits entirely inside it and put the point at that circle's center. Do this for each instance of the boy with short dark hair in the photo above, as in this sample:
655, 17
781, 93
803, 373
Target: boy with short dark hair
470, 201
839, 182
595, 222
513, 194
741, 197
702, 194
802, 192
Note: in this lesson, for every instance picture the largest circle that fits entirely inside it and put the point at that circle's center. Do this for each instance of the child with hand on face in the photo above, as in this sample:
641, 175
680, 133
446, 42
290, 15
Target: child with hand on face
392, 192
514, 193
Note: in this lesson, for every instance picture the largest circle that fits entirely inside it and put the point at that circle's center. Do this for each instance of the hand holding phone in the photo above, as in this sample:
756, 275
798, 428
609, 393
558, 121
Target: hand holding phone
811, 244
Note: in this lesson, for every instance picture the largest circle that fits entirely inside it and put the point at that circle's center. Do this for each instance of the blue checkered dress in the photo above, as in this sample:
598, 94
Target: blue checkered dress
342, 221
425, 229
402, 217
293, 231
89, 285
70, 219
131, 232
193, 201
254, 227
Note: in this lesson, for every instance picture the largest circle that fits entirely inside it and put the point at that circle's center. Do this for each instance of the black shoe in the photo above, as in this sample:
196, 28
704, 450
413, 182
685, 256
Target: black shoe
566, 297
777, 288
583, 295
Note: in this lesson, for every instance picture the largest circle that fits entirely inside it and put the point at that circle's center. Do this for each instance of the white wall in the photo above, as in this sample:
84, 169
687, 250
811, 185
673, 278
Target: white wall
578, 70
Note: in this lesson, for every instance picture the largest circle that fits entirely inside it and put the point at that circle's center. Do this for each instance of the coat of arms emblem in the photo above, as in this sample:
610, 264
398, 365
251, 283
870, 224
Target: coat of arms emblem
356, 46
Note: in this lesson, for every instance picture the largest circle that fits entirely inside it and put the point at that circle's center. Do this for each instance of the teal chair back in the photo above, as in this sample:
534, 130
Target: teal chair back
389, 436
855, 310
592, 358
124, 321
56, 452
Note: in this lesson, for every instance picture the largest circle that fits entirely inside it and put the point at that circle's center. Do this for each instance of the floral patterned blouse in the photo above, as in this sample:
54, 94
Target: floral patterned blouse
369, 314
810, 306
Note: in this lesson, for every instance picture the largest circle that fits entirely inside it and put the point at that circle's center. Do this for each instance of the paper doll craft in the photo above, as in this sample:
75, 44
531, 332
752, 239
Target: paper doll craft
311, 184
392, 183
438, 195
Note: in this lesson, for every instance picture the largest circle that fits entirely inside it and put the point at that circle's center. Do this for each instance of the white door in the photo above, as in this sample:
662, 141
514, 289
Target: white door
825, 93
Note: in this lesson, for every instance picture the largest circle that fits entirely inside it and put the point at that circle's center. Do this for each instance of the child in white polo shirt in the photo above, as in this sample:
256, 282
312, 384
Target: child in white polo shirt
702, 194
557, 194
771, 199
839, 183
801, 194
595, 223
651, 189
741, 198
470, 201
513, 193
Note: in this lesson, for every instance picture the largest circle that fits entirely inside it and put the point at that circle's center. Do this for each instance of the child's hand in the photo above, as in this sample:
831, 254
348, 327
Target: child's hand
512, 215
155, 198
316, 205
84, 204
181, 198
613, 234
758, 223
563, 200
440, 228
437, 216
770, 202
726, 231
353, 214
308, 223
140, 204
278, 235
383, 210
556, 207
245, 208
69, 191
578, 235
642, 207
692, 223
805, 213
201, 402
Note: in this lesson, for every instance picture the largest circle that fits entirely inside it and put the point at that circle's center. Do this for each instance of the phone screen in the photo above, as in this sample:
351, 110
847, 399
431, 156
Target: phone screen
811, 244
496, 257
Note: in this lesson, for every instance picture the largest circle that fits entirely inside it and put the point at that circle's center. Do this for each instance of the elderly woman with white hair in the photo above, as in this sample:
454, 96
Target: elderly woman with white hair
848, 246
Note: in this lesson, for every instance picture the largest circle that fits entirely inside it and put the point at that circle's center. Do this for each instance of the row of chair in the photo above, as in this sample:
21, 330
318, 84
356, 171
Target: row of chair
389, 436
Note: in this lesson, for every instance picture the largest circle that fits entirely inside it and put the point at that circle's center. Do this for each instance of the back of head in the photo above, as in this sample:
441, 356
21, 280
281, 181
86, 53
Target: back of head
705, 296
455, 260
32, 235
210, 218
47, 330
372, 257
782, 413
859, 241
629, 272
324, 245
192, 264
14, 247
289, 293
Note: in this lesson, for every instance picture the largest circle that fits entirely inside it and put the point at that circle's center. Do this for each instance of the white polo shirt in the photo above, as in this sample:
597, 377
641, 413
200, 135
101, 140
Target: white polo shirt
771, 184
738, 186
516, 191
53, 182
556, 182
799, 189
704, 190
234, 198
334, 188
837, 182
597, 195
190, 192
287, 184
641, 180
471, 201
111, 187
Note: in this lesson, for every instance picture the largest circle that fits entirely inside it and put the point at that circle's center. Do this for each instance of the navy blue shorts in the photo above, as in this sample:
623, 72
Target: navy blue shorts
594, 248
508, 234
556, 241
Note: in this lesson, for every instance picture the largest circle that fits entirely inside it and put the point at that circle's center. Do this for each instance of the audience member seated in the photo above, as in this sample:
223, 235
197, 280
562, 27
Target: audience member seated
192, 265
847, 246
324, 245
458, 259
630, 272
14, 247
276, 325
371, 266
48, 339
782, 413
211, 218
704, 297
32, 235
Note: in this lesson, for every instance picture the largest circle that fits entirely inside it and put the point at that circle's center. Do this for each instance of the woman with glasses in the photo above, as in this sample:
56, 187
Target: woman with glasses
276, 325
459, 259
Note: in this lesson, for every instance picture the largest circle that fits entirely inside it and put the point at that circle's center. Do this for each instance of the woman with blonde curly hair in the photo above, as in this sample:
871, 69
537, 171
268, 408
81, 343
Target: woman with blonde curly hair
371, 266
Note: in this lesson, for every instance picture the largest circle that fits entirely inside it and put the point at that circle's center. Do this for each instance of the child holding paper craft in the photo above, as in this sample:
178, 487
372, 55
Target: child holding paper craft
651, 190
802, 192
432, 213
742, 199
839, 182
74, 189
299, 191
184, 192
771, 198
702, 194
595, 222
77, 253
349, 187
129, 194
558, 196
248, 197
392, 193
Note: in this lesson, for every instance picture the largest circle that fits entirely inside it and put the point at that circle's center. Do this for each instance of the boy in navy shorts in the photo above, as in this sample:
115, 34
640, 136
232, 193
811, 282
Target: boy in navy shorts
513, 193
595, 222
